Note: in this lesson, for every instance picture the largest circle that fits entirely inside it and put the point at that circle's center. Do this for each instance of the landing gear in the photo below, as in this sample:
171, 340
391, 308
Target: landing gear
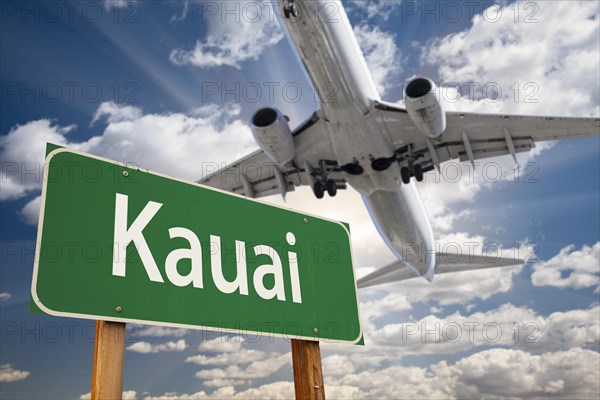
290, 10
418, 170
331, 188
318, 190
405, 175
323, 178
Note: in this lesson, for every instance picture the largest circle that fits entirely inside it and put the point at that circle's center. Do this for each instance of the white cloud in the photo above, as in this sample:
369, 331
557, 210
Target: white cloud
109, 4
500, 373
554, 61
571, 268
4, 296
493, 374
224, 383
337, 365
275, 390
255, 370
145, 347
158, 331
22, 154
242, 356
233, 39
30, 214
222, 344
381, 54
9, 374
116, 112
168, 143
505, 326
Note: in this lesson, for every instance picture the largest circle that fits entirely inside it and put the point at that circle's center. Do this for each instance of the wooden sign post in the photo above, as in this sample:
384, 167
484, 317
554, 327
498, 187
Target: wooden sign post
109, 350
308, 371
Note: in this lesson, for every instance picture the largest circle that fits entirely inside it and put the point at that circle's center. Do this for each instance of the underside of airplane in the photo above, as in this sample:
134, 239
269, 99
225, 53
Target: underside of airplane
378, 148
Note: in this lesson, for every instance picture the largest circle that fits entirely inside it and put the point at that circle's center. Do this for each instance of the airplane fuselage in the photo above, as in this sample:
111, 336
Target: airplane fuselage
325, 41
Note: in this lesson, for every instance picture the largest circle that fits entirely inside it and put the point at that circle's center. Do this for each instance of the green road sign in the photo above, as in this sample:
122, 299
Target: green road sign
123, 244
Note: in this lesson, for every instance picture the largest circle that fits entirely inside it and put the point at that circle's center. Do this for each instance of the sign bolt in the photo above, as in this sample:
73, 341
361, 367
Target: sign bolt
118, 309
316, 330
306, 220
125, 173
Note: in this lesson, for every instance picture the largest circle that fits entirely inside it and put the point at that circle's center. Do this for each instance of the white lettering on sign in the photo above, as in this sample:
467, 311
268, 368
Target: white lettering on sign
123, 236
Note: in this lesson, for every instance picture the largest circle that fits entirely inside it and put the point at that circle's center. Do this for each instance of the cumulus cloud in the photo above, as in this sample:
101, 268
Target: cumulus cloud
9, 374
4, 296
255, 370
500, 373
570, 268
168, 143
116, 112
234, 39
222, 344
243, 356
514, 55
270, 391
381, 54
494, 374
30, 214
146, 348
337, 365
158, 331
507, 325
22, 154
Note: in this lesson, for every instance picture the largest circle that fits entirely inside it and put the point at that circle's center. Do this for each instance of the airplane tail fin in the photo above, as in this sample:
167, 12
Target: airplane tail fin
444, 263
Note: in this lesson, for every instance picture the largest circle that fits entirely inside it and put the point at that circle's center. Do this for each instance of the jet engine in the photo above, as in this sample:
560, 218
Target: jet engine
272, 133
424, 108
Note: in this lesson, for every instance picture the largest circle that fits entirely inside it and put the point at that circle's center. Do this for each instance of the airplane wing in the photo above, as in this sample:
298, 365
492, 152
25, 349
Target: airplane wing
444, 263
256, 175
472, 136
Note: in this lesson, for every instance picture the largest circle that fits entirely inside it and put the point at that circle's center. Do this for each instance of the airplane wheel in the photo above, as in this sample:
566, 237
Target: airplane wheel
293, 11
286, 12
319, 190
405, 174
419, 173
331, 188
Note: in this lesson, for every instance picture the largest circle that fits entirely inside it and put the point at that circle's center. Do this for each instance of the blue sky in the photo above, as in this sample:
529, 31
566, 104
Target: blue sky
144, 82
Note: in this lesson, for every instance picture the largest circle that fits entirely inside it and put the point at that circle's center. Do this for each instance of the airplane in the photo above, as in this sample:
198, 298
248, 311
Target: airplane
378, 148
